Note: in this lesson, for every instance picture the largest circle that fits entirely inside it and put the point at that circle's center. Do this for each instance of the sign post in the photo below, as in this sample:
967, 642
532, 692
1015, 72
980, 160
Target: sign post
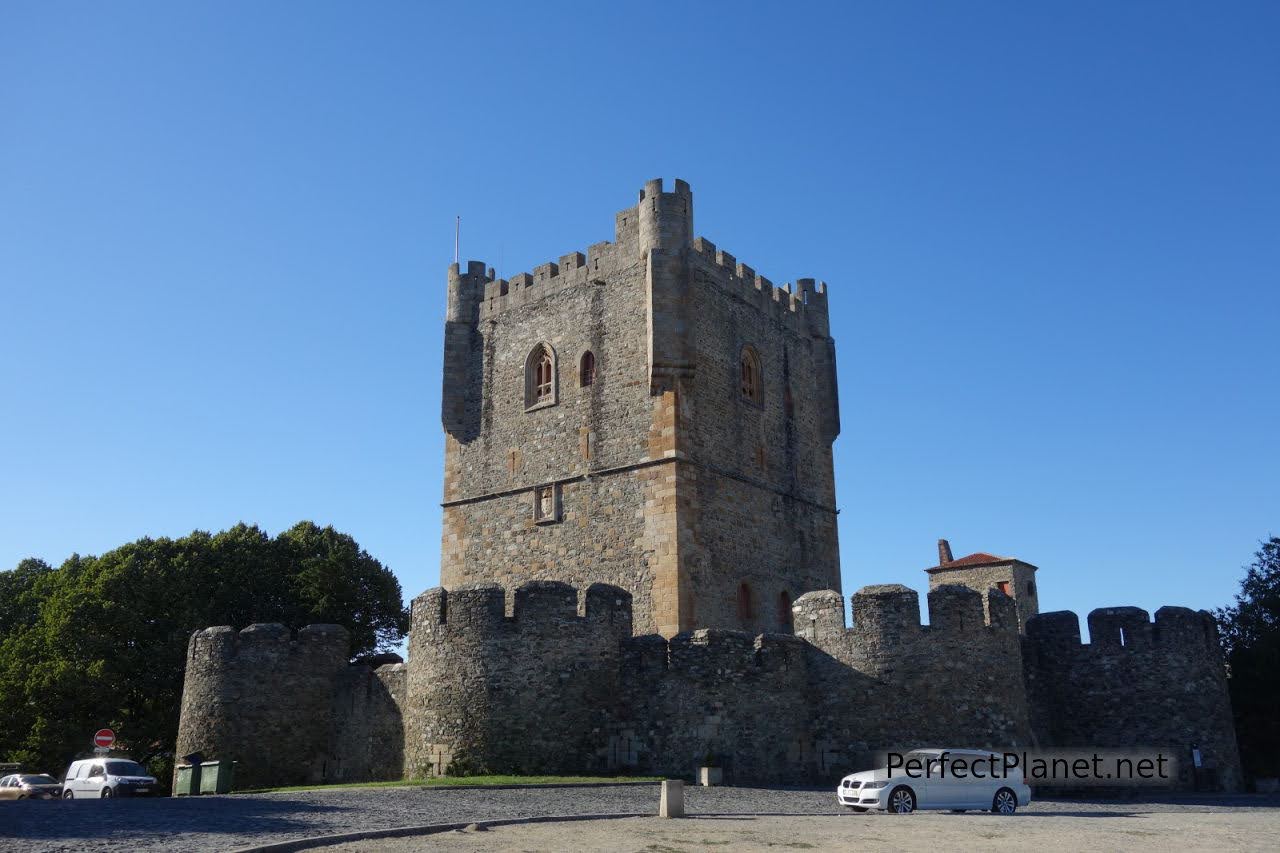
103, 740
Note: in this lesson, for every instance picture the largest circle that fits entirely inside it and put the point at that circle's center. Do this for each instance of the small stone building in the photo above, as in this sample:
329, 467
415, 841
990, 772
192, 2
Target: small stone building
981, 571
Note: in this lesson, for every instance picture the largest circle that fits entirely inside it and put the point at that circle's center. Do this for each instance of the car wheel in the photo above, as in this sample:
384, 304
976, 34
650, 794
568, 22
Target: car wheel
106, 793
67, 795
1005, 802
902, 800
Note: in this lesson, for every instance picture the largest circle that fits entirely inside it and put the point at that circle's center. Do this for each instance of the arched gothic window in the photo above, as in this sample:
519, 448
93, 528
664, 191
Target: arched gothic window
749, 364
540, 376
587, 369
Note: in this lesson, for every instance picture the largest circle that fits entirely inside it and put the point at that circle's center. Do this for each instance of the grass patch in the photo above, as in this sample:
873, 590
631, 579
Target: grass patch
449, 781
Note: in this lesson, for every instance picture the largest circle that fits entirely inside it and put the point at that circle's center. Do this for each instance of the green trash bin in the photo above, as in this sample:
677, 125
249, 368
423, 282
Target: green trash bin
188, 782
216, 777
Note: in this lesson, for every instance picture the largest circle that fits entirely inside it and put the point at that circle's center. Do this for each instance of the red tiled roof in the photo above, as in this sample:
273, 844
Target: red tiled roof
978, 559
981, 558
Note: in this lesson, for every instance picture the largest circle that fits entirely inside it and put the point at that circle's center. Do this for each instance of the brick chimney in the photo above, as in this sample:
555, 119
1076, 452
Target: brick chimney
944, 552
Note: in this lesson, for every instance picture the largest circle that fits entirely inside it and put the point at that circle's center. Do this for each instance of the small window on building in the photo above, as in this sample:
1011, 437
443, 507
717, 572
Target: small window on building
587, 369
745, 608
1005, 588
546, 504
749, 363
784, 611
540, 376
788, 404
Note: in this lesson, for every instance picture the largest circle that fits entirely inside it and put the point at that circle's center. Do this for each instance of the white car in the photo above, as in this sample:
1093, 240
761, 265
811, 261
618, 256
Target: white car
102, 778
956, 779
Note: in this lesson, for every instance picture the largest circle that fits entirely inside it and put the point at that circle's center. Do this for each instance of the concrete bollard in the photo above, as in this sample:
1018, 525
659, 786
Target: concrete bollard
672, 802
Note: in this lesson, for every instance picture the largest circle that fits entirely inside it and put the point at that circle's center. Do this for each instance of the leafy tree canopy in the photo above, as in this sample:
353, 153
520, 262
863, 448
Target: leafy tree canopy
102, 640
1251, 638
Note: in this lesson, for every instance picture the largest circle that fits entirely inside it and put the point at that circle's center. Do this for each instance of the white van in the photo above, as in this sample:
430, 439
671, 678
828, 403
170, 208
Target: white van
102, 778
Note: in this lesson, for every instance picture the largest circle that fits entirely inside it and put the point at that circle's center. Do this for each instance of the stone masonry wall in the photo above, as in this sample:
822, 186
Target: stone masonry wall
368, 730
956, 681
593, 442
529, 693
669, 484
1136, 684
263, 698
763, 506
547, 690
562, 686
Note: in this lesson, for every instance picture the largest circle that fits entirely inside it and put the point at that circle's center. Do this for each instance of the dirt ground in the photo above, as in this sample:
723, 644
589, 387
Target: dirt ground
1085, 830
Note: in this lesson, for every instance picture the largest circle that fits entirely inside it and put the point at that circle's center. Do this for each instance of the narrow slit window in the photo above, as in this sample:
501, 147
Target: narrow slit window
587, 369
744, 604
749, 369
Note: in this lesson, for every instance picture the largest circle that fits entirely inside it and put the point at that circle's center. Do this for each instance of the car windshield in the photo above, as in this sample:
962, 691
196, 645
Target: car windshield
39, 780
125, 768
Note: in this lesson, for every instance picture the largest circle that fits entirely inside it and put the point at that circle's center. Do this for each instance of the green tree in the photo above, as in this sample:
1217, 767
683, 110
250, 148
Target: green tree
20, 595
1251, 639
333, 579
103, 640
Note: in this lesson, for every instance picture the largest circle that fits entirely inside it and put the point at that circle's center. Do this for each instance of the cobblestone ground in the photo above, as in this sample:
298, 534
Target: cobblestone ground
225, 823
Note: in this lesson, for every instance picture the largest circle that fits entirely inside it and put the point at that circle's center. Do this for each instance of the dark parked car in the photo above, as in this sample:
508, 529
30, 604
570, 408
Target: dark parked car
30, 786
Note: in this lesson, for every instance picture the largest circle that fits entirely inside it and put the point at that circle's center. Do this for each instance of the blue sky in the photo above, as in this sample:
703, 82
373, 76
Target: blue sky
1050, 232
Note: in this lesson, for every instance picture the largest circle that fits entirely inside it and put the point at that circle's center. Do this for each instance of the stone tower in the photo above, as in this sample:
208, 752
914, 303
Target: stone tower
650, 414
982, 571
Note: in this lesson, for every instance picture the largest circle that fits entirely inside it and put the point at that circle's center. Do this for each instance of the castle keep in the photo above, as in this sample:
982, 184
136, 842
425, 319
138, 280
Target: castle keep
651, 414
640, 568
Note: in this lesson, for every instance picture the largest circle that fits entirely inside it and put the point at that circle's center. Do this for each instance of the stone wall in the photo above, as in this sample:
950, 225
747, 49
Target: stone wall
288, 708
1136, 684
548, 690
562, 686
956, 681
263, 698
528, 693
367, 743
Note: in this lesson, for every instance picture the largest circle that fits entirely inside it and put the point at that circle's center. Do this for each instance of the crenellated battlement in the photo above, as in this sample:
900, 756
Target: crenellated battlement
662, 221
887, 617
716, 652
270, 641
576, 269
802, 307
1115, 630
536, 606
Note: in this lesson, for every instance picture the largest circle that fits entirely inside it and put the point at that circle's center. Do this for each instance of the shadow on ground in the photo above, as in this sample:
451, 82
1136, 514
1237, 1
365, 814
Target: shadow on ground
159, 818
